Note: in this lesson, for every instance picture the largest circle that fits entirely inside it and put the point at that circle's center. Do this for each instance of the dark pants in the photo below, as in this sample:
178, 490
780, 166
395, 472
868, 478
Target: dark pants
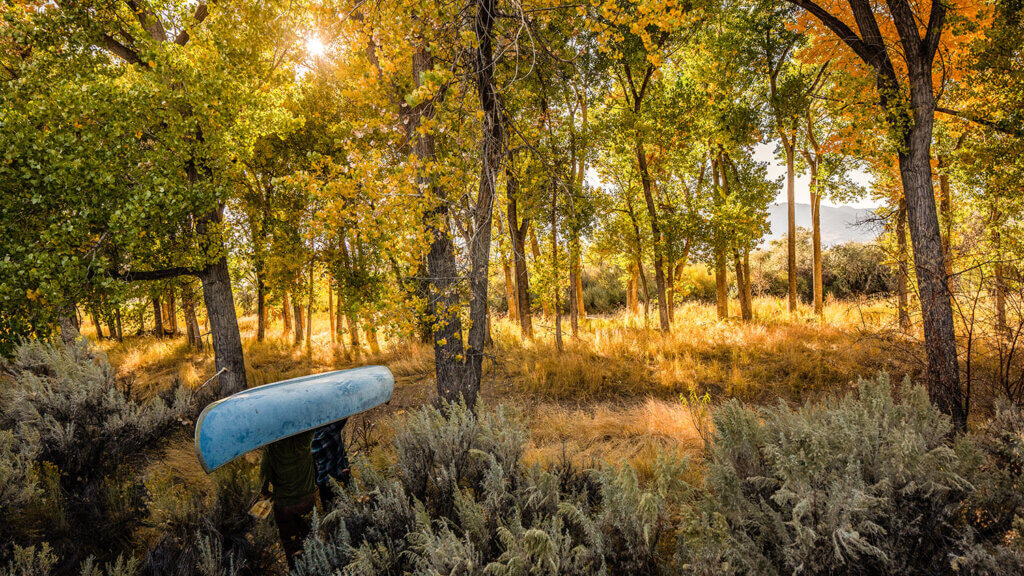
293, 526
327, 494
326, 497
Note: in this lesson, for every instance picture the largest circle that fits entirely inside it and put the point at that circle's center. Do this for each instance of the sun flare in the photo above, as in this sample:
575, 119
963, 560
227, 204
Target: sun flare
314, 46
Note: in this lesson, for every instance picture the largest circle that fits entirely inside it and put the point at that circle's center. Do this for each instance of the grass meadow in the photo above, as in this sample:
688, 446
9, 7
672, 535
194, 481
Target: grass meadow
620, 391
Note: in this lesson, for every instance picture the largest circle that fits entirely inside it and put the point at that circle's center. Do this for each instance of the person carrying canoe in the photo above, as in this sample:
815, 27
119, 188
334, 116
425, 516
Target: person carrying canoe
287, 465
331, 460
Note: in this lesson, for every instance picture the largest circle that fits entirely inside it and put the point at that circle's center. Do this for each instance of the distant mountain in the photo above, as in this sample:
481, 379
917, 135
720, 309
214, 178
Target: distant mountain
838, 224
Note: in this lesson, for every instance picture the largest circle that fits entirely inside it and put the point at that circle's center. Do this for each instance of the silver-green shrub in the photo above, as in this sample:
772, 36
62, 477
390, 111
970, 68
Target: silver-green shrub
18, 483
457, 499
30, 561
864, 484
78, 428
68, 399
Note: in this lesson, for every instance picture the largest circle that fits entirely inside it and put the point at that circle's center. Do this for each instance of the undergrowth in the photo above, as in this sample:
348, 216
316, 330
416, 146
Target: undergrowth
458, 499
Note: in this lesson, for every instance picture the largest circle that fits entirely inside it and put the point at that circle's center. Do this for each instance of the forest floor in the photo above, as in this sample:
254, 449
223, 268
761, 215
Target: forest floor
618, 392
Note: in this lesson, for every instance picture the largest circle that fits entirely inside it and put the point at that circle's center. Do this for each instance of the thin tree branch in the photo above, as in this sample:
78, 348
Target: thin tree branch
997, 126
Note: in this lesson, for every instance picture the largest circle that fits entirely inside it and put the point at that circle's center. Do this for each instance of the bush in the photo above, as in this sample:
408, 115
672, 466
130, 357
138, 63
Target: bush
209, 533
604, 291
30, 561
84, 430
859, 485
85, 422
18, 484
458, 500
848, 270
854, 268
697, 282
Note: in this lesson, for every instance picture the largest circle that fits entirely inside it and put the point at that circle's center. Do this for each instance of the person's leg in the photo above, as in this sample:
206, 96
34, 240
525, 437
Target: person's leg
293, 526
287, 528
346, 469
327, 497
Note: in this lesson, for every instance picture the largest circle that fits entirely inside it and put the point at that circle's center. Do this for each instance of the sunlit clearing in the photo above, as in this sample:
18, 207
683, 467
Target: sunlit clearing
314, 46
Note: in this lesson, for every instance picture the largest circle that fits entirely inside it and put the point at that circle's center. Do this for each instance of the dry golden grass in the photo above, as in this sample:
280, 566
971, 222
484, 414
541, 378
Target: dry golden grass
613, 394
774, 356
638, 433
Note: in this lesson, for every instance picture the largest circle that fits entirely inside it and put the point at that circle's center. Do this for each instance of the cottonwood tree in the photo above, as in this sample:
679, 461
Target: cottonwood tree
452, 57
171, 95
903, 66
826, 156
638, 38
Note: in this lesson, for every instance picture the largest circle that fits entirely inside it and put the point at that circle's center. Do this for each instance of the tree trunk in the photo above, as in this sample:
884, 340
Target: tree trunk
70, 329
945, 214
574, 298
142, 322
721, 276
309, 311
96, 323
492, 140
903, 272
297, 322
192, 332
721, 284
371, 338
677, 273
812, 163
443, 301
120, 328
742, 287
517, 232
309, 325
999, 281
111, 327
339, 317
172, 314
670, 289
261, 307
353, 329
554, 266
788, 145
633, 291
545, 305
819, 297
581, 309
936, 310
158, 329
646, 291
1000, 290
330, 312
659, 256
510, 289
227, 343
748, 297
912, 122
286, 312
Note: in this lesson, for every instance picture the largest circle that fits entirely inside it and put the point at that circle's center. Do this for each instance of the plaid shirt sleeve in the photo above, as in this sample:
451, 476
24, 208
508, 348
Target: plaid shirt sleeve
328, 448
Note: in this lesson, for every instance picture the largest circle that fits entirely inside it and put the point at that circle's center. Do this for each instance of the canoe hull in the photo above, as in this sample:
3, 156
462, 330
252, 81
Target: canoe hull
258, 416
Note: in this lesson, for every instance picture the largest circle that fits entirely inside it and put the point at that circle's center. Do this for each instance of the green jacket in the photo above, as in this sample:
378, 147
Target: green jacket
288, 466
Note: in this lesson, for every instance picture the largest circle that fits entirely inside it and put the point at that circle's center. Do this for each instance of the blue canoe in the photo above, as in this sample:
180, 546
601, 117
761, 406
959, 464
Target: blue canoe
256, 417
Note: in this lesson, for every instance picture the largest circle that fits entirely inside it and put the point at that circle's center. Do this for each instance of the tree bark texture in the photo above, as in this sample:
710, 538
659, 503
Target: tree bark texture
903, 271
517, 232
659, 256
227, 343
791, 222
158, 328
